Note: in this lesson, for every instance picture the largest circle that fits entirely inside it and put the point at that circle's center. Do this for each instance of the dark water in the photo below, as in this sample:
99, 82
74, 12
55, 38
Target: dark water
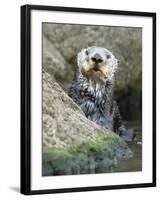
135, 163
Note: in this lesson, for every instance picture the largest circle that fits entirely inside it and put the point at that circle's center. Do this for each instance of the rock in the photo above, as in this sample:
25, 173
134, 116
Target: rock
64, 123
55, 64
72, 143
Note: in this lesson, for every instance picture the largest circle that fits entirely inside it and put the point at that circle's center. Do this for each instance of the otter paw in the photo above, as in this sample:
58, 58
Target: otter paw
128, 135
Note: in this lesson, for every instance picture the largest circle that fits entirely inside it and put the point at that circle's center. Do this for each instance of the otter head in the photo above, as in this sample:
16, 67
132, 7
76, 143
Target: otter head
97, 63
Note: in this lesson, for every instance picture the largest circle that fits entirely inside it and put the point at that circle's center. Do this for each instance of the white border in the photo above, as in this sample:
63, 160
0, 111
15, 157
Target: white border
42, 183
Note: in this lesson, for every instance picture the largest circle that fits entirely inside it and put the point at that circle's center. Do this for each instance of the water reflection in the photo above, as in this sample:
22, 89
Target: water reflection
135, 163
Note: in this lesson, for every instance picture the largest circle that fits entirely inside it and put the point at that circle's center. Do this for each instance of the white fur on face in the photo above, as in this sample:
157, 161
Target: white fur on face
109, 61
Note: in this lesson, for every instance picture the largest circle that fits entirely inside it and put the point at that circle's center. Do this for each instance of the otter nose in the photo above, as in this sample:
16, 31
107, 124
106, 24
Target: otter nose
97, 58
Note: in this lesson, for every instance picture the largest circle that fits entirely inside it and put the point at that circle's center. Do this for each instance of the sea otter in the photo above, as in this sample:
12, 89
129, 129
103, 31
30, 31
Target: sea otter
93, 89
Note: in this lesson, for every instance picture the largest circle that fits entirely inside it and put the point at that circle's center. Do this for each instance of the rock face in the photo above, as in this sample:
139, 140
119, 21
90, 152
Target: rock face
62, 42
71, 143
64, 123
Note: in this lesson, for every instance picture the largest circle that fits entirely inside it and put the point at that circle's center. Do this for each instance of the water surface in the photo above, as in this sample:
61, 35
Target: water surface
135, 163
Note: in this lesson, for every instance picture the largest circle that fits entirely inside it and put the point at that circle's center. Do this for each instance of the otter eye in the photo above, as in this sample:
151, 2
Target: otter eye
87, 53
108, 56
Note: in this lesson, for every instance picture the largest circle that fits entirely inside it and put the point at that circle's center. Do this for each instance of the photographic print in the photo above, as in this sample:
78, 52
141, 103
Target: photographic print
92, 99
88, 99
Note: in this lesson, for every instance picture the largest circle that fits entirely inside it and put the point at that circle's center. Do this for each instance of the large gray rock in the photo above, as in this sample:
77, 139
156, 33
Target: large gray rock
56, 64
64, 123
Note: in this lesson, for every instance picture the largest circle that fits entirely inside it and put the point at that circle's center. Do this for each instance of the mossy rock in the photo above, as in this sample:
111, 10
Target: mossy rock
98, 156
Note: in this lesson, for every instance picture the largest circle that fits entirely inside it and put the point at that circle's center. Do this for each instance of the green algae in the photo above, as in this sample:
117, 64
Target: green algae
96, 156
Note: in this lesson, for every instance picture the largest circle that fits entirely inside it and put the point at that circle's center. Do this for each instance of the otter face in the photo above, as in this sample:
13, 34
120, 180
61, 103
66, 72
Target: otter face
97, 63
